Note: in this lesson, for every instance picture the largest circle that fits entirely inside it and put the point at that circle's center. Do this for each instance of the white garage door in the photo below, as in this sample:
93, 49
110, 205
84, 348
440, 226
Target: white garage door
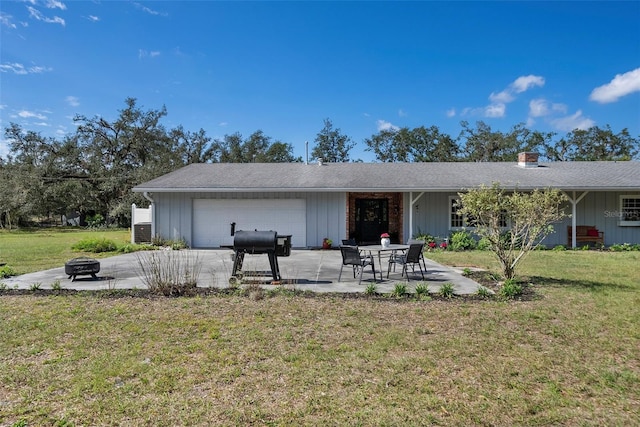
212, 219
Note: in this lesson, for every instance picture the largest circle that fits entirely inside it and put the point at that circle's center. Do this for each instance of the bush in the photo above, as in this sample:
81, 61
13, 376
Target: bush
510, 289
624, 247
399, 290
422, 289
95, 245
483, 244
462, 241
169, 273
170, 243
6, 271
371, 289
484, 292
446, 290
94, 221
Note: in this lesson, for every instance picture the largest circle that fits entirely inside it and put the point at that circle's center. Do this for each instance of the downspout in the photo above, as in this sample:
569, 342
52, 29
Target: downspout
153, 213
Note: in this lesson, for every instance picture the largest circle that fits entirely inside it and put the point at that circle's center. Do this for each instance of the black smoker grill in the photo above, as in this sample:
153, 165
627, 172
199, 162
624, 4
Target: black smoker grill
256, 243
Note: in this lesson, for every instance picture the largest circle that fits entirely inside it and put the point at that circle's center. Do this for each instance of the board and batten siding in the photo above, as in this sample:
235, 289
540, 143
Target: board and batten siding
431, 216
326, 213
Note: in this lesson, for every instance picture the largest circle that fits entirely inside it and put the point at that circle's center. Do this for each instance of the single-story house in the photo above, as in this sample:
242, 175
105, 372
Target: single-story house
200, 203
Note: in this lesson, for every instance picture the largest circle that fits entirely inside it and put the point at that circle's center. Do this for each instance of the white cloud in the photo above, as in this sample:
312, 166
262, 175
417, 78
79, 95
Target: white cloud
148, 10
451, 112
21, 69
223, 124
54, 4
72, 101
36, 14
142, 53
499, 101
93, 18
575, 121
31, 115
402, 113
502, 97
538, 107
524, 83
621, 85
385, 125
5, 20
495, 110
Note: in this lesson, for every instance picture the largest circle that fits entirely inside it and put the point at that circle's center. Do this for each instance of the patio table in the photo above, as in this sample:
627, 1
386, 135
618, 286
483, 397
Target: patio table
379, 249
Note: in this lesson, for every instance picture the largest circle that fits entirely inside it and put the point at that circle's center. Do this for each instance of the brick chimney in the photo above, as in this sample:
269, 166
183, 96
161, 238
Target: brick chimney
528, 159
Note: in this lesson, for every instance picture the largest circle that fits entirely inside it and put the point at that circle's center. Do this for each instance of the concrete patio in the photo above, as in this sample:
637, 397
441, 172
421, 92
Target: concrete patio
306, 270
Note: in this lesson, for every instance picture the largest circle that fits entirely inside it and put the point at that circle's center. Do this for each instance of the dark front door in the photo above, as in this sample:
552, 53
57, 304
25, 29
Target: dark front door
372, 219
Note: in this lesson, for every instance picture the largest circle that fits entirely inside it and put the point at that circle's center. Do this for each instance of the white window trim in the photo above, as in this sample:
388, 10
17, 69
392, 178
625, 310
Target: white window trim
622, 222
464, 227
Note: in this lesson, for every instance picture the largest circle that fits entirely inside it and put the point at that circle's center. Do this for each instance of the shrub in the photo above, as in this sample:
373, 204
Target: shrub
169, 273
94, 221
624, 247
422, 289
399, 290
6, 271
130, 247
559, 248
95, 245
466, 272
175, 244
446, 290
483, 244
371, 289
35, 286
462, 241
56, 286
484, 292
510, 289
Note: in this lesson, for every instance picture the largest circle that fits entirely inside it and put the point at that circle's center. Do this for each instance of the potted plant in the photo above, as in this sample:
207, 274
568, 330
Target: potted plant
326, 243
385, 240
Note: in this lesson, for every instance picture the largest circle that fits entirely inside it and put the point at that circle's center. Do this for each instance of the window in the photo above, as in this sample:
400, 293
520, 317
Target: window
629, 214
457, 220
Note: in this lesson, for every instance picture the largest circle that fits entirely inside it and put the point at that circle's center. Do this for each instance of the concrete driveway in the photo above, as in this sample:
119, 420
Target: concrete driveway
304, 269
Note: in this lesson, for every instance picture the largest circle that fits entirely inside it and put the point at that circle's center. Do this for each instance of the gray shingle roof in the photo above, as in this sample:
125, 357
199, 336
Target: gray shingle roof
288, 177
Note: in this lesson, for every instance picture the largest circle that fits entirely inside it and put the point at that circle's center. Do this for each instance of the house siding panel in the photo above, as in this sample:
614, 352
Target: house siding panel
325, 213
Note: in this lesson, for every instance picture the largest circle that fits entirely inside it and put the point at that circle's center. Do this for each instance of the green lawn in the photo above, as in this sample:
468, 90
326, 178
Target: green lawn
567, 356
29, 251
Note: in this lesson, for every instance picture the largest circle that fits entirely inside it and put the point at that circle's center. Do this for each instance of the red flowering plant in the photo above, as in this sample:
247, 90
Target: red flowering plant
384, 236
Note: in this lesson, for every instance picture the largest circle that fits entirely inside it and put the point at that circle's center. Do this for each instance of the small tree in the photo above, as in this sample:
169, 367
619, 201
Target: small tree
528, 216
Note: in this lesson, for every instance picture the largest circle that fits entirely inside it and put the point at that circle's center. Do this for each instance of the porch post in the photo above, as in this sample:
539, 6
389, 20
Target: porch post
411, 202
574, 202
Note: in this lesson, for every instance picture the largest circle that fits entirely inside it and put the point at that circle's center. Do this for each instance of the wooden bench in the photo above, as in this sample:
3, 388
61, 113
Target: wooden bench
585, 234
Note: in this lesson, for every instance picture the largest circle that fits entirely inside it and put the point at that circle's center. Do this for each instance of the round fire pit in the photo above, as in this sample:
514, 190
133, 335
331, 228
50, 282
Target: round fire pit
81, 266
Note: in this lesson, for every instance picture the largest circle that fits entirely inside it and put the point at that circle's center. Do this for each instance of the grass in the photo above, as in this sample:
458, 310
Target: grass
567, 356
35, 250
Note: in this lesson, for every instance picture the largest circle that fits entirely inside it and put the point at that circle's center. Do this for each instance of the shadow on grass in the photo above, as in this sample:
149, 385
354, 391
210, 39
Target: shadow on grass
578, 284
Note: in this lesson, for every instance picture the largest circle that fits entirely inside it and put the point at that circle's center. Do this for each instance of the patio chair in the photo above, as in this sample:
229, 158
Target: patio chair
423, 243
413, 256
351, 256
349, 242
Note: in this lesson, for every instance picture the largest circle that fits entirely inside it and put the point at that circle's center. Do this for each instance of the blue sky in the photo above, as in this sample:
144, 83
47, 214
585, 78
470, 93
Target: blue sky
283, 67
